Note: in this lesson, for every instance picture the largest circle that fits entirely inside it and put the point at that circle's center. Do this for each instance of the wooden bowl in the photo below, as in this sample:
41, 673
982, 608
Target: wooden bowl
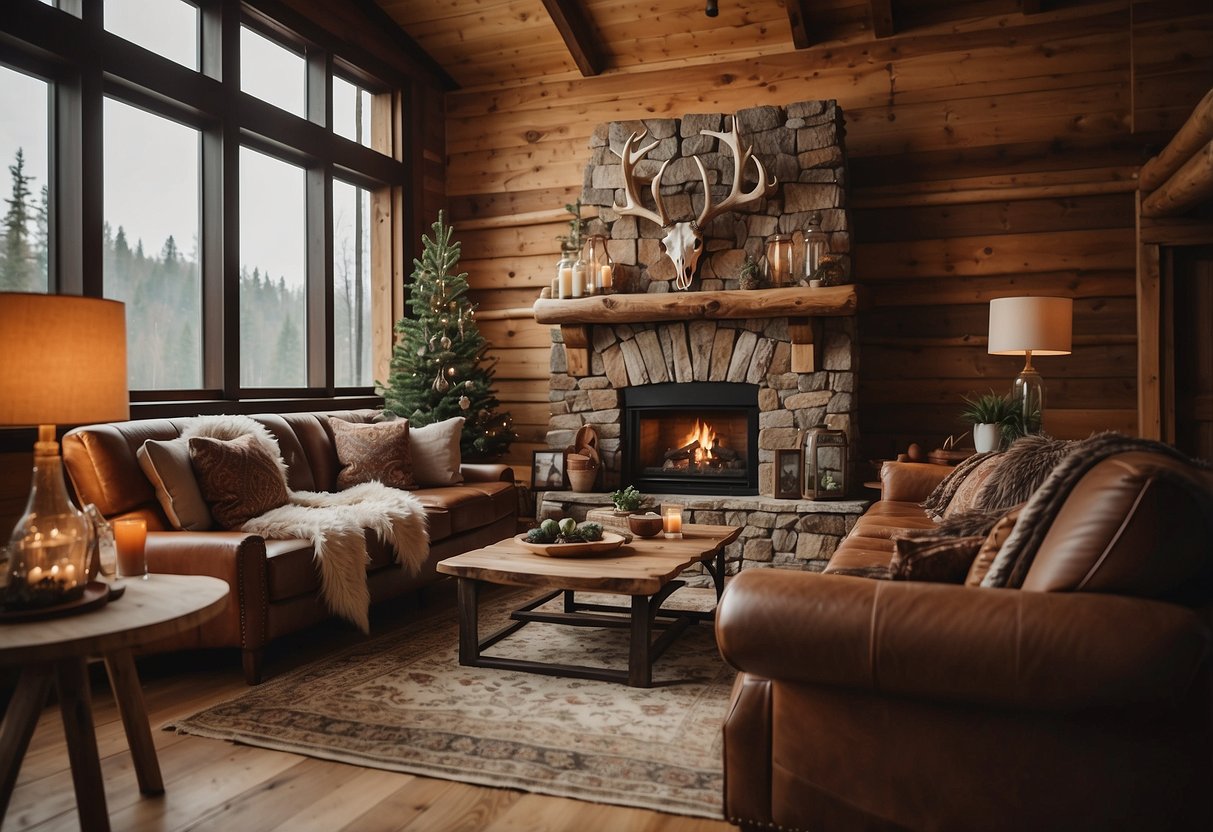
645, 525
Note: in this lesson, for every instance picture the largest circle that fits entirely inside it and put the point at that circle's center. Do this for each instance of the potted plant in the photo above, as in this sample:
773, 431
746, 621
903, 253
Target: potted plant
626, 500
989, 414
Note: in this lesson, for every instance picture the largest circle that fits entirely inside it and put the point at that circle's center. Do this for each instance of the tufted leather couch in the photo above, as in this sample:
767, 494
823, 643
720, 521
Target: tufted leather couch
1082, 701
275, 583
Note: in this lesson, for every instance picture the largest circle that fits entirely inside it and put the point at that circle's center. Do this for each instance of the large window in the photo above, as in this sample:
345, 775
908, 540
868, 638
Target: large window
351, 285
273, 268
24, 241
150, 244
166, 27
224, 197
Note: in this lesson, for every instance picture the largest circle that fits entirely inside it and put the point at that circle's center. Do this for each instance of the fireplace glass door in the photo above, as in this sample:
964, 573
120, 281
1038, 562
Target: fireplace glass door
694, 438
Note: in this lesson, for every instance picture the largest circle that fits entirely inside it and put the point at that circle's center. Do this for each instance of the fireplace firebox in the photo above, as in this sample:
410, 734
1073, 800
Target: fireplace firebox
691, 438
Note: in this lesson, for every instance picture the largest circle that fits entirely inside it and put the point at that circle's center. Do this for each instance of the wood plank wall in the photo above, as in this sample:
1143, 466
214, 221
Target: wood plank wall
986, 159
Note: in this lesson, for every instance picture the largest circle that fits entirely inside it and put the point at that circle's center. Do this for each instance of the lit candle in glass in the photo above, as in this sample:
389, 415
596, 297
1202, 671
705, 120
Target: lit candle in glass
671, 520
130, 539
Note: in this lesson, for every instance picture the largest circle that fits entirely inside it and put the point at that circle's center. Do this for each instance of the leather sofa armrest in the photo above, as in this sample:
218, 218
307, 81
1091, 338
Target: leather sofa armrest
1009, 648
486, 472
235, 557
910, 482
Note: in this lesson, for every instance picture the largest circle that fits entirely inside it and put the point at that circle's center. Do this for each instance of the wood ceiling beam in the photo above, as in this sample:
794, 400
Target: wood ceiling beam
881, 13
798, 17
1031, 6
579, 35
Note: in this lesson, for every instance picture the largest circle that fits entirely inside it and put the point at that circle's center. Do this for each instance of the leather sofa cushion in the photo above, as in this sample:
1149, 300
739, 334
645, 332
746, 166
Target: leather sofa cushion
468, 506
167, 465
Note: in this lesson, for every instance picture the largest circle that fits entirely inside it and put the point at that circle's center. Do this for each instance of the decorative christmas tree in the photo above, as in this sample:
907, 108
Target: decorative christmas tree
438, 367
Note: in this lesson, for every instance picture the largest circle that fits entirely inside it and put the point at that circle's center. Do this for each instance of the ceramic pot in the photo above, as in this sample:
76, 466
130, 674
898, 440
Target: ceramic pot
582, 481
986, 437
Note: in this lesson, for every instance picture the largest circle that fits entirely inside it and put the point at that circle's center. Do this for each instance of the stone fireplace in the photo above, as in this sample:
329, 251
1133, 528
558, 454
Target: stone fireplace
648, 368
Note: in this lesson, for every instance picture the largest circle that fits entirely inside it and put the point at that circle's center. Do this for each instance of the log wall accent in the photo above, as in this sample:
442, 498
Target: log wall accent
988, 157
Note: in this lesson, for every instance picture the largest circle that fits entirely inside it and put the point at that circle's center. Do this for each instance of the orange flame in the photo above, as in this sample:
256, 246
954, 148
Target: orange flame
706, 435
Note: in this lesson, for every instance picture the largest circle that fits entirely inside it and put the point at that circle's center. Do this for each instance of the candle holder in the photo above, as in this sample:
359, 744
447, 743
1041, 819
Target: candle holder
130, 537
671, 521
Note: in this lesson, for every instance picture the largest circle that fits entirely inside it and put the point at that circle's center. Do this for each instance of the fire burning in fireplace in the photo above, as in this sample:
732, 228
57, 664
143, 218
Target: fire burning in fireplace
701, 450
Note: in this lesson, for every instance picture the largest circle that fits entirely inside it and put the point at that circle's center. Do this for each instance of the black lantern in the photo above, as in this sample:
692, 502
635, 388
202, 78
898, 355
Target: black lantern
825, 464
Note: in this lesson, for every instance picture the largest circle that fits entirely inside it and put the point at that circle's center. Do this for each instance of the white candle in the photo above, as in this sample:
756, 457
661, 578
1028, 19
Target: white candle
34, 575
566, 282
578, 279
671, 520
606, 279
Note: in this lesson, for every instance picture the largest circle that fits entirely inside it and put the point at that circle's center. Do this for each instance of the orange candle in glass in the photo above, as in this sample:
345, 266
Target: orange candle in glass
130, 539
671, 520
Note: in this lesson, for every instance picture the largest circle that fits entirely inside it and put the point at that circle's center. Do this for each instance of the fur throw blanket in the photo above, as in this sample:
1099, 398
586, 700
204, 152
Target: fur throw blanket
1014, 559
337, 524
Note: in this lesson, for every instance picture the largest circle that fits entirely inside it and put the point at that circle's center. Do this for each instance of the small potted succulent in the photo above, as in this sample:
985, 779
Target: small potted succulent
626, 500
991, 415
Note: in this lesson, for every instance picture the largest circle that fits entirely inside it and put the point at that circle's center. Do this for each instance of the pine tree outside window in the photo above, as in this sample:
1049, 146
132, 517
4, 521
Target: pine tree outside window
24, 238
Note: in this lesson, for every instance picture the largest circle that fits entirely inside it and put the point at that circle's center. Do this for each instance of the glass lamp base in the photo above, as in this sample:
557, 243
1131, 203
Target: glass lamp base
1029, 391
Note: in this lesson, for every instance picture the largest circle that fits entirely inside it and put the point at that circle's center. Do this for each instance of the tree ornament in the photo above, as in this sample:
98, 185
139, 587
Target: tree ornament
440, 385
446, 342
452, 371
421, 351
464, 402
468, 384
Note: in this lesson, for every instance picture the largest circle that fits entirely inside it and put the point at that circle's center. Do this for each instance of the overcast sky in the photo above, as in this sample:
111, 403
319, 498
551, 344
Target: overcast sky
152, 164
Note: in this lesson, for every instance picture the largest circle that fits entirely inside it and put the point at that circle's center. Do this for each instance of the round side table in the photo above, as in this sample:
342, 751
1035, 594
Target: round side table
57, 649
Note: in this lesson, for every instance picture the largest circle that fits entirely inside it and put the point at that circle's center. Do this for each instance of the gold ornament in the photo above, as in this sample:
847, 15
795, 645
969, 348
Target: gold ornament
464, 402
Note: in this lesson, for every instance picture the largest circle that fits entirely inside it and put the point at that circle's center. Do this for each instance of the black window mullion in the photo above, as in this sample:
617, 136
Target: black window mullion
319, 196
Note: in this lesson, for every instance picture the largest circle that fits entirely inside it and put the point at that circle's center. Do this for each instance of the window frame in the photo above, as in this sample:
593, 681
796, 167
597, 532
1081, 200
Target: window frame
84, 63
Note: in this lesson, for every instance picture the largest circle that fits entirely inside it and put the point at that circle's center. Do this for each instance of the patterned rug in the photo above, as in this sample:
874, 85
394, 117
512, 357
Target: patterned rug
402, 702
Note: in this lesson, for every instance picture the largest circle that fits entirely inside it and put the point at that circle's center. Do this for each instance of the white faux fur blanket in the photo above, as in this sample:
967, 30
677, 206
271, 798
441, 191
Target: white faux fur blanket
335, 523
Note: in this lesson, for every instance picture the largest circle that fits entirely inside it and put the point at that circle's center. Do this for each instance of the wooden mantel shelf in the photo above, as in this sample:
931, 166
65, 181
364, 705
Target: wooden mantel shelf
800, 305
794, 302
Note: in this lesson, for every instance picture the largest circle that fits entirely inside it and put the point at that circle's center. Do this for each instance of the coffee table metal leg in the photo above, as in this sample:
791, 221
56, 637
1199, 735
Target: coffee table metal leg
76, 708
469, 621
640, 663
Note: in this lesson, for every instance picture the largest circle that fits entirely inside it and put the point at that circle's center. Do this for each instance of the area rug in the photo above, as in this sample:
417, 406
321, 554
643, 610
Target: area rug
402, 702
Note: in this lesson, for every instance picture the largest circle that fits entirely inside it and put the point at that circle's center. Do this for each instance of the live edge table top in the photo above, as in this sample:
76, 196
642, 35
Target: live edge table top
641, 567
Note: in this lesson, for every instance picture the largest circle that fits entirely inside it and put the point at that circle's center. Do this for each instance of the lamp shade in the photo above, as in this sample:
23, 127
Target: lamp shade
1039, 325
62, 360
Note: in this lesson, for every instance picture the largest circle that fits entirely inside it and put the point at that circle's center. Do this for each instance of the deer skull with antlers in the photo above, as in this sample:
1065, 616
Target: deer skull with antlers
683, 241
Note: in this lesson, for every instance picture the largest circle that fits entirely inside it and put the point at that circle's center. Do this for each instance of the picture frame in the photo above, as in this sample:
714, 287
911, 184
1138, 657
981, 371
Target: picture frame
787, 473
548, 471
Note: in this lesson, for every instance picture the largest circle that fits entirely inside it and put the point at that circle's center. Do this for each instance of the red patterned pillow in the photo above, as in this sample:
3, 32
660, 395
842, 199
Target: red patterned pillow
239, 480
373, 451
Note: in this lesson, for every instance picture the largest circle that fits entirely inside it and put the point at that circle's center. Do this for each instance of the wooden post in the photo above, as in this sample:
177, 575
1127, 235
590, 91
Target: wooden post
804, 356
576, 349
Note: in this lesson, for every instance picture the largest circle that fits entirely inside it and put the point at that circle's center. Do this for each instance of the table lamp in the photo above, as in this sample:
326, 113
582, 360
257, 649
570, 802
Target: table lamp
1030, 326
62, 361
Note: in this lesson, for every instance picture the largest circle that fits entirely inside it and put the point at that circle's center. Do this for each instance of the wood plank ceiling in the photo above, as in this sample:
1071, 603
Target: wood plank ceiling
494, 42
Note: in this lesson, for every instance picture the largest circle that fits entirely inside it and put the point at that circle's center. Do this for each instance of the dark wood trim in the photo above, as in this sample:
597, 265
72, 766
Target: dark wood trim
409, 48
1031, 6
579, 35
319, 297
880, 12
798, 19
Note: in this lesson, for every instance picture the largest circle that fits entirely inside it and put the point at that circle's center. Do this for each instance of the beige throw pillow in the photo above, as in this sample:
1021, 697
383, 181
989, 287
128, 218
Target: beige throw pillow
435, 452
166, 464
373, 451
239, 480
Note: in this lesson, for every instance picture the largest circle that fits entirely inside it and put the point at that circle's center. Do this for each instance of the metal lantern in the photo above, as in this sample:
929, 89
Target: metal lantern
826, 463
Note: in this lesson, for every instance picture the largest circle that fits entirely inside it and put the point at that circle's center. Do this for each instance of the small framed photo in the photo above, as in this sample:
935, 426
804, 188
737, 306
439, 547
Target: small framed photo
787, 474
547, 470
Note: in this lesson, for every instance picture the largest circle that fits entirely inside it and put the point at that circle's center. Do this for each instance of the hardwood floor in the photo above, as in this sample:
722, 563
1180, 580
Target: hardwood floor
216, 786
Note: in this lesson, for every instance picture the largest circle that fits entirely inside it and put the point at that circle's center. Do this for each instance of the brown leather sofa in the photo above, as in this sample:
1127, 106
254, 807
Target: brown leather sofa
275, 583
1081, 701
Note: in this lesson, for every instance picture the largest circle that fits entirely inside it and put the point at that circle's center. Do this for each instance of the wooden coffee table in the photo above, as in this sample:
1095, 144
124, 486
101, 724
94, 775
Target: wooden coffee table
643, 569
